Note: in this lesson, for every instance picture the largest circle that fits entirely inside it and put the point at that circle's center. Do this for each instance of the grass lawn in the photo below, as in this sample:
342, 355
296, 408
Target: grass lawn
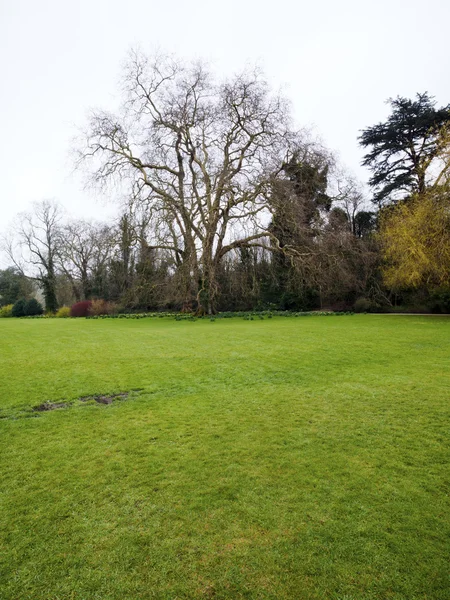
292, 458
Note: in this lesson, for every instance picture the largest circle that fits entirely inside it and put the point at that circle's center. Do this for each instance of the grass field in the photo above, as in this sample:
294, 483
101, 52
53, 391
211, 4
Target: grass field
288, 458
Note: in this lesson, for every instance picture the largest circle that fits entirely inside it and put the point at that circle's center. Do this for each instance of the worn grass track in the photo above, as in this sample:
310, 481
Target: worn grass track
287, 458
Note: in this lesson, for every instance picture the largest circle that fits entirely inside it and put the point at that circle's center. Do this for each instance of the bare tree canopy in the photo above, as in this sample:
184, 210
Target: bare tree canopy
83, 252
33, 245
200, 155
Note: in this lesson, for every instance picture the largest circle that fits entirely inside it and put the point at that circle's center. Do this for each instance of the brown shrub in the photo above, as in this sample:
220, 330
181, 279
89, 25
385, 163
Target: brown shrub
101, 307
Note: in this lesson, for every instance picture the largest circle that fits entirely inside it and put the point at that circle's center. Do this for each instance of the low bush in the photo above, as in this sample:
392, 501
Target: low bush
363, 305
409, 308
6, 311
440, 301
32, 308
247, 316
63, 312
18, 309
101, 307
81, 309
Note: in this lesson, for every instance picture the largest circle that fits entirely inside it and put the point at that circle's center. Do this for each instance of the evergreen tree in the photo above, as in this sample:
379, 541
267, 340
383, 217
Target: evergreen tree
18, 310
404, 148
33, 307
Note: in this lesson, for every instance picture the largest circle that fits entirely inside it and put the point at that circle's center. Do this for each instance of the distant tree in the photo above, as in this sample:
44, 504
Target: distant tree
299, 199
320, 227
83, 252
299, 203
308, 174
364, 223
33, 247
351, 198
13, 285
405, 150
122, 265
338, 219
347, 265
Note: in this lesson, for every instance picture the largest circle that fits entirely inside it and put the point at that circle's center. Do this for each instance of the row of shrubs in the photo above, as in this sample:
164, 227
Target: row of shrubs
247, 316
33, 308
104, 309
95, 309
22, 308
87, 308
92, 308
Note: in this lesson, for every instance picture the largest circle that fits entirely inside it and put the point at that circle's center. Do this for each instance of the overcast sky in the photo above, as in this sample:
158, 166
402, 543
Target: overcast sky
337, 61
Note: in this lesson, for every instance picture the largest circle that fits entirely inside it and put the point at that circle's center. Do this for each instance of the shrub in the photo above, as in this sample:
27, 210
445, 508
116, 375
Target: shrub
363, 305
80, 309
101, 307
18, 309
6, 311
33, 307
440, 301
63, 312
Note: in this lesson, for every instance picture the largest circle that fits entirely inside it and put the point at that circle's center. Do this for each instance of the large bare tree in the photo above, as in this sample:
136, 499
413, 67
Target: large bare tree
200, 155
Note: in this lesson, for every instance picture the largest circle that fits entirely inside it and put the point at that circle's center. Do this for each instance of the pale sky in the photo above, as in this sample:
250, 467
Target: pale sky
336, 60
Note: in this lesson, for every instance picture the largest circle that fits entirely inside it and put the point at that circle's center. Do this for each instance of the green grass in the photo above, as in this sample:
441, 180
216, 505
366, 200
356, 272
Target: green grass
287, 458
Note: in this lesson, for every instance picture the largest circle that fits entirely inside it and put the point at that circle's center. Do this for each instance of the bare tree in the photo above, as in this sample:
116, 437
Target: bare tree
199, 155
32, 246
349, 195
83, 251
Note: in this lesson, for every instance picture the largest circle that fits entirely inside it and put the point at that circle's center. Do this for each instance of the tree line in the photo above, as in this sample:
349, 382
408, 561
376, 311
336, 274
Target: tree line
228, 207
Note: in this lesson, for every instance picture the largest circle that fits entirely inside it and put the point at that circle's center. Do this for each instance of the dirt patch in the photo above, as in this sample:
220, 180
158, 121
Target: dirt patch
105, 398
50, 406
33, 411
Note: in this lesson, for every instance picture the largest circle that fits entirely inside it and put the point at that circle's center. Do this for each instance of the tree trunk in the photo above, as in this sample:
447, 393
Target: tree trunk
49, 288
207, 294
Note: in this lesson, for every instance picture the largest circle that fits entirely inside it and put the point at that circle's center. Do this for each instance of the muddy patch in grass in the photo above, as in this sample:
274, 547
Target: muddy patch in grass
105, 398
36, 411
50, 406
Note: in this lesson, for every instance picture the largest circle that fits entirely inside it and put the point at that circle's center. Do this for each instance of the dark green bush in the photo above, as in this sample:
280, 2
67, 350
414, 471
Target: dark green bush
18, 309
33, 307
364, 305
440, 301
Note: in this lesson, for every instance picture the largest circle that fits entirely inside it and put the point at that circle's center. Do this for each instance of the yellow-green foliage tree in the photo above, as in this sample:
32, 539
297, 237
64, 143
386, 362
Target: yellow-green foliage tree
415, 239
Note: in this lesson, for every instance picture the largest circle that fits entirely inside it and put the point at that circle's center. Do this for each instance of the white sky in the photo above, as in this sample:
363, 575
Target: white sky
337, 61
